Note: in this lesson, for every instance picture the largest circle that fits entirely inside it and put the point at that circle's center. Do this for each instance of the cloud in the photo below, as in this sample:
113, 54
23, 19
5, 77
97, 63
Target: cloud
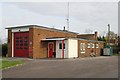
83, 15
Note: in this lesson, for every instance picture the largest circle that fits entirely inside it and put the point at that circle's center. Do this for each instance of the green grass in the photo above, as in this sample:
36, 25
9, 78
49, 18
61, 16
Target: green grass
4, 63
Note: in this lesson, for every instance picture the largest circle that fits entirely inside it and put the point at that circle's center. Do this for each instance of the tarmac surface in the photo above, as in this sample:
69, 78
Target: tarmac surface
95, 67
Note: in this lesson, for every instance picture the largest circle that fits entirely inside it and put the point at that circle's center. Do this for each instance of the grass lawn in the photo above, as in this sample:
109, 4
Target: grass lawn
5, 63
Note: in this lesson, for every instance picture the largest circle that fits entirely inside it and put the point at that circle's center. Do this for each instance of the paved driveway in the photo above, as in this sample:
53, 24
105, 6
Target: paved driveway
99, 67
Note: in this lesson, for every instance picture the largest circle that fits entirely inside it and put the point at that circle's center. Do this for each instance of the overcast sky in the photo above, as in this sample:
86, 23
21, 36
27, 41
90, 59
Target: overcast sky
83, 15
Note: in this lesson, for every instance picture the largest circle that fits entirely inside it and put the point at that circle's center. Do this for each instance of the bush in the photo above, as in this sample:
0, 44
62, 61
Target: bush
4, 49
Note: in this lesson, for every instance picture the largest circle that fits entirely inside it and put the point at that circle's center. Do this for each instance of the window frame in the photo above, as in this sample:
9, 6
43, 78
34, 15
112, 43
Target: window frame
82, 48
93, 45
97, 46
89, 45
60, 47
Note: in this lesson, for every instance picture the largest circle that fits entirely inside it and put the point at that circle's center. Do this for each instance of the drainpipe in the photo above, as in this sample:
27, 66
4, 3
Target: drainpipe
63, 49
95, 49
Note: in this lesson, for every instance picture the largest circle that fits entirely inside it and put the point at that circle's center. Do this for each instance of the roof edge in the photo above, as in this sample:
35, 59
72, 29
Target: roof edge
42, 27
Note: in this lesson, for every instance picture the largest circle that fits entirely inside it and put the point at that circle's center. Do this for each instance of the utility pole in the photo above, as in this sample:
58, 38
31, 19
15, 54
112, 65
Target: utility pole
108, 34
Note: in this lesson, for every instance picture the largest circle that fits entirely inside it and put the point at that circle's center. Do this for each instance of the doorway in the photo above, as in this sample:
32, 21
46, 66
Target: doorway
50, 49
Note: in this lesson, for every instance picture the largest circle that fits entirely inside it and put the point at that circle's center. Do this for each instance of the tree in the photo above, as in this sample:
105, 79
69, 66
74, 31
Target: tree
112, 35
0, 47
101, 38
4, 49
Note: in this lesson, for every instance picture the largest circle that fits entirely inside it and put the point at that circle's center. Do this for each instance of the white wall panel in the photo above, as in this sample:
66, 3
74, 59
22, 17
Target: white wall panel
72, 48
20, 29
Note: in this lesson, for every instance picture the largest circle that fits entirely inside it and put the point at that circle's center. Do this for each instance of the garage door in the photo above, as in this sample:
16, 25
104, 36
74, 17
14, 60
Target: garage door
21, 48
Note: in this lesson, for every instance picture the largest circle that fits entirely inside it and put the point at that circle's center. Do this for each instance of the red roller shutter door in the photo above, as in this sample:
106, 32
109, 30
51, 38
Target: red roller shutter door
21, 46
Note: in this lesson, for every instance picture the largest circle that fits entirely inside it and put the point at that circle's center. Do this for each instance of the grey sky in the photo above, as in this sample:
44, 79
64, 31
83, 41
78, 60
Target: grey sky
83, 15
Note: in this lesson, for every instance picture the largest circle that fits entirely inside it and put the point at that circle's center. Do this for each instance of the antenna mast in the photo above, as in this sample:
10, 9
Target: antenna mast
68, 16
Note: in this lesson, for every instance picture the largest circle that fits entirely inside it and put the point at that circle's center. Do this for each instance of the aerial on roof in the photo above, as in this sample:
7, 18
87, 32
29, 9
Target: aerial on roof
41, 27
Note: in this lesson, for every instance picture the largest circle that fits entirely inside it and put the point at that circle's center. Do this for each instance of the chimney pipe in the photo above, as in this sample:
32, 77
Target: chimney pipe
96, 35
64, 28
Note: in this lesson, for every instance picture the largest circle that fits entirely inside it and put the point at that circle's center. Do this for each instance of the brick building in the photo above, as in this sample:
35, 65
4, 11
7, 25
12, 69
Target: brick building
41, 42
88, 36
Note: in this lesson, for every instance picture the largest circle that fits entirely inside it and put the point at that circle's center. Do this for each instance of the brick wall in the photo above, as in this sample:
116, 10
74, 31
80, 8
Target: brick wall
88, 51
31, 42
10, 43
40, 51
88, 36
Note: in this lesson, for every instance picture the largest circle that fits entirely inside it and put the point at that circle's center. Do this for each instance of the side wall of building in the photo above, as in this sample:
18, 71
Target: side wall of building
31, 42
10, 43
89, 51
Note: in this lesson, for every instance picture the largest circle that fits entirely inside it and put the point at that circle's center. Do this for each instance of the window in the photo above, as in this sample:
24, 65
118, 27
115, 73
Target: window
21, 40
25, 44
82, 47
21, 44
60, 45
96, 45
93, 46
25, 40
88, 45
17, 40
17, 44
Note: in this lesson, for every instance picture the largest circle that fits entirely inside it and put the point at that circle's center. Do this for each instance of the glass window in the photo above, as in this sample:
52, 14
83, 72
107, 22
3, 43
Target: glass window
25, 44
88, 45
17, 44
26, 37
60, 45
82, 47
93, 46
17, 40
21, 40
21, 44
97, 45
25, 40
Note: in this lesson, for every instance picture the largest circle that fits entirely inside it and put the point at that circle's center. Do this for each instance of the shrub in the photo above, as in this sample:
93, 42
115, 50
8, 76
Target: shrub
4, 49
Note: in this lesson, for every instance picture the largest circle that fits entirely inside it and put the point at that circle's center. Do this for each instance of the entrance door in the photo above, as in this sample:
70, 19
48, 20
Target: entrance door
50, 49
21, 47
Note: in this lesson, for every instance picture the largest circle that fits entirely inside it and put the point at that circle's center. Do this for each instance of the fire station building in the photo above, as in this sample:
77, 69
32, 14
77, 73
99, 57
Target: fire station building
35, 41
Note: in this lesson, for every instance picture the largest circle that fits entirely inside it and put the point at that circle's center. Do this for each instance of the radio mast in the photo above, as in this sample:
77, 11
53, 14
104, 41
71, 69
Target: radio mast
67, 16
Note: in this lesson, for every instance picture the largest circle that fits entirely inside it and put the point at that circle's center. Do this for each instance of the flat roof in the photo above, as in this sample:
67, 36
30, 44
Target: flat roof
31, 26
57, 39
85, 34
53, 39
